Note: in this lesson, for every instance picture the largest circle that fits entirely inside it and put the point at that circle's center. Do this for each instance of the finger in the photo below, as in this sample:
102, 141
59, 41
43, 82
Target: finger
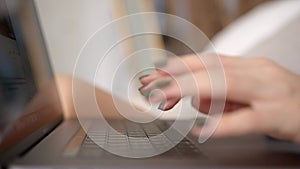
204, 105
202, 83
240, 122
194, 62
146, 79
179, 65
178, 87
168, 104
149, 78
190, 64
192, 84
160, 83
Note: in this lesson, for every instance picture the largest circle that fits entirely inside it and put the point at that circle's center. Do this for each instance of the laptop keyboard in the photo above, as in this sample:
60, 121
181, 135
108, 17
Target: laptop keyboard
134, 137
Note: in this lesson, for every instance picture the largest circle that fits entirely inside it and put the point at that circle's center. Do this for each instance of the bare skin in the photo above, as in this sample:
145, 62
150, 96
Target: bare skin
261, 96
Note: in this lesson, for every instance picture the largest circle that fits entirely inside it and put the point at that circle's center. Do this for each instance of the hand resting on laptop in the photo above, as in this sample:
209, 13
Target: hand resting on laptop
262, 97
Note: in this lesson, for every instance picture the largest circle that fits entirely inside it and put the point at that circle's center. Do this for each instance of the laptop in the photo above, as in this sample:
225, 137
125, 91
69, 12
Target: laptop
34, 133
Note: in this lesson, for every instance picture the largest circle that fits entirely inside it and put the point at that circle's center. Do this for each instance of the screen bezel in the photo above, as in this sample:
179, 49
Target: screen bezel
16, 15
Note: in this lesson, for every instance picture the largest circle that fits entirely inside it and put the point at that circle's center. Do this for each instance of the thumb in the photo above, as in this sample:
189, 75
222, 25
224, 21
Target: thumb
239, 122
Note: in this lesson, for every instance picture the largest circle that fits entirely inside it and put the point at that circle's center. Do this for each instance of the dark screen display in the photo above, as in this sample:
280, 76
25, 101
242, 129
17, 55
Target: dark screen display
26, 106
16, 86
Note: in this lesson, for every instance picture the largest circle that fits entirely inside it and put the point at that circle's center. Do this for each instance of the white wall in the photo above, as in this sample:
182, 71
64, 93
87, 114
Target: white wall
66, 25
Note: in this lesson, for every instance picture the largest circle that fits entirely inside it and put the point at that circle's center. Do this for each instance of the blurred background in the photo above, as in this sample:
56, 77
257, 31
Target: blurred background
268, 28
237, 27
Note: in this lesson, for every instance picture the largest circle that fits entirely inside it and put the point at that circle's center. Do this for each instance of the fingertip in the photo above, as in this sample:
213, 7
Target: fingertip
141, 88
162, 106
143, 76
146, 79
168, 105
171, 103
163, 83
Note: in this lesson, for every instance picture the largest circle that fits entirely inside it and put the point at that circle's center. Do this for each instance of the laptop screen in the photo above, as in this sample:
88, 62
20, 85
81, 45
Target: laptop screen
29, 102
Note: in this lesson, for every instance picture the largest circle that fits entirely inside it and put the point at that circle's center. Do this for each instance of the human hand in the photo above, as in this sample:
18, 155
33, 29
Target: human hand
261, 96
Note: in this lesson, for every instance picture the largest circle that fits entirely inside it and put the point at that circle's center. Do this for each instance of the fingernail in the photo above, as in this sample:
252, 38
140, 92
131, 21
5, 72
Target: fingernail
141, 77
199, 122
162, 84
140, 88
161, 63
161, 106
146, 94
